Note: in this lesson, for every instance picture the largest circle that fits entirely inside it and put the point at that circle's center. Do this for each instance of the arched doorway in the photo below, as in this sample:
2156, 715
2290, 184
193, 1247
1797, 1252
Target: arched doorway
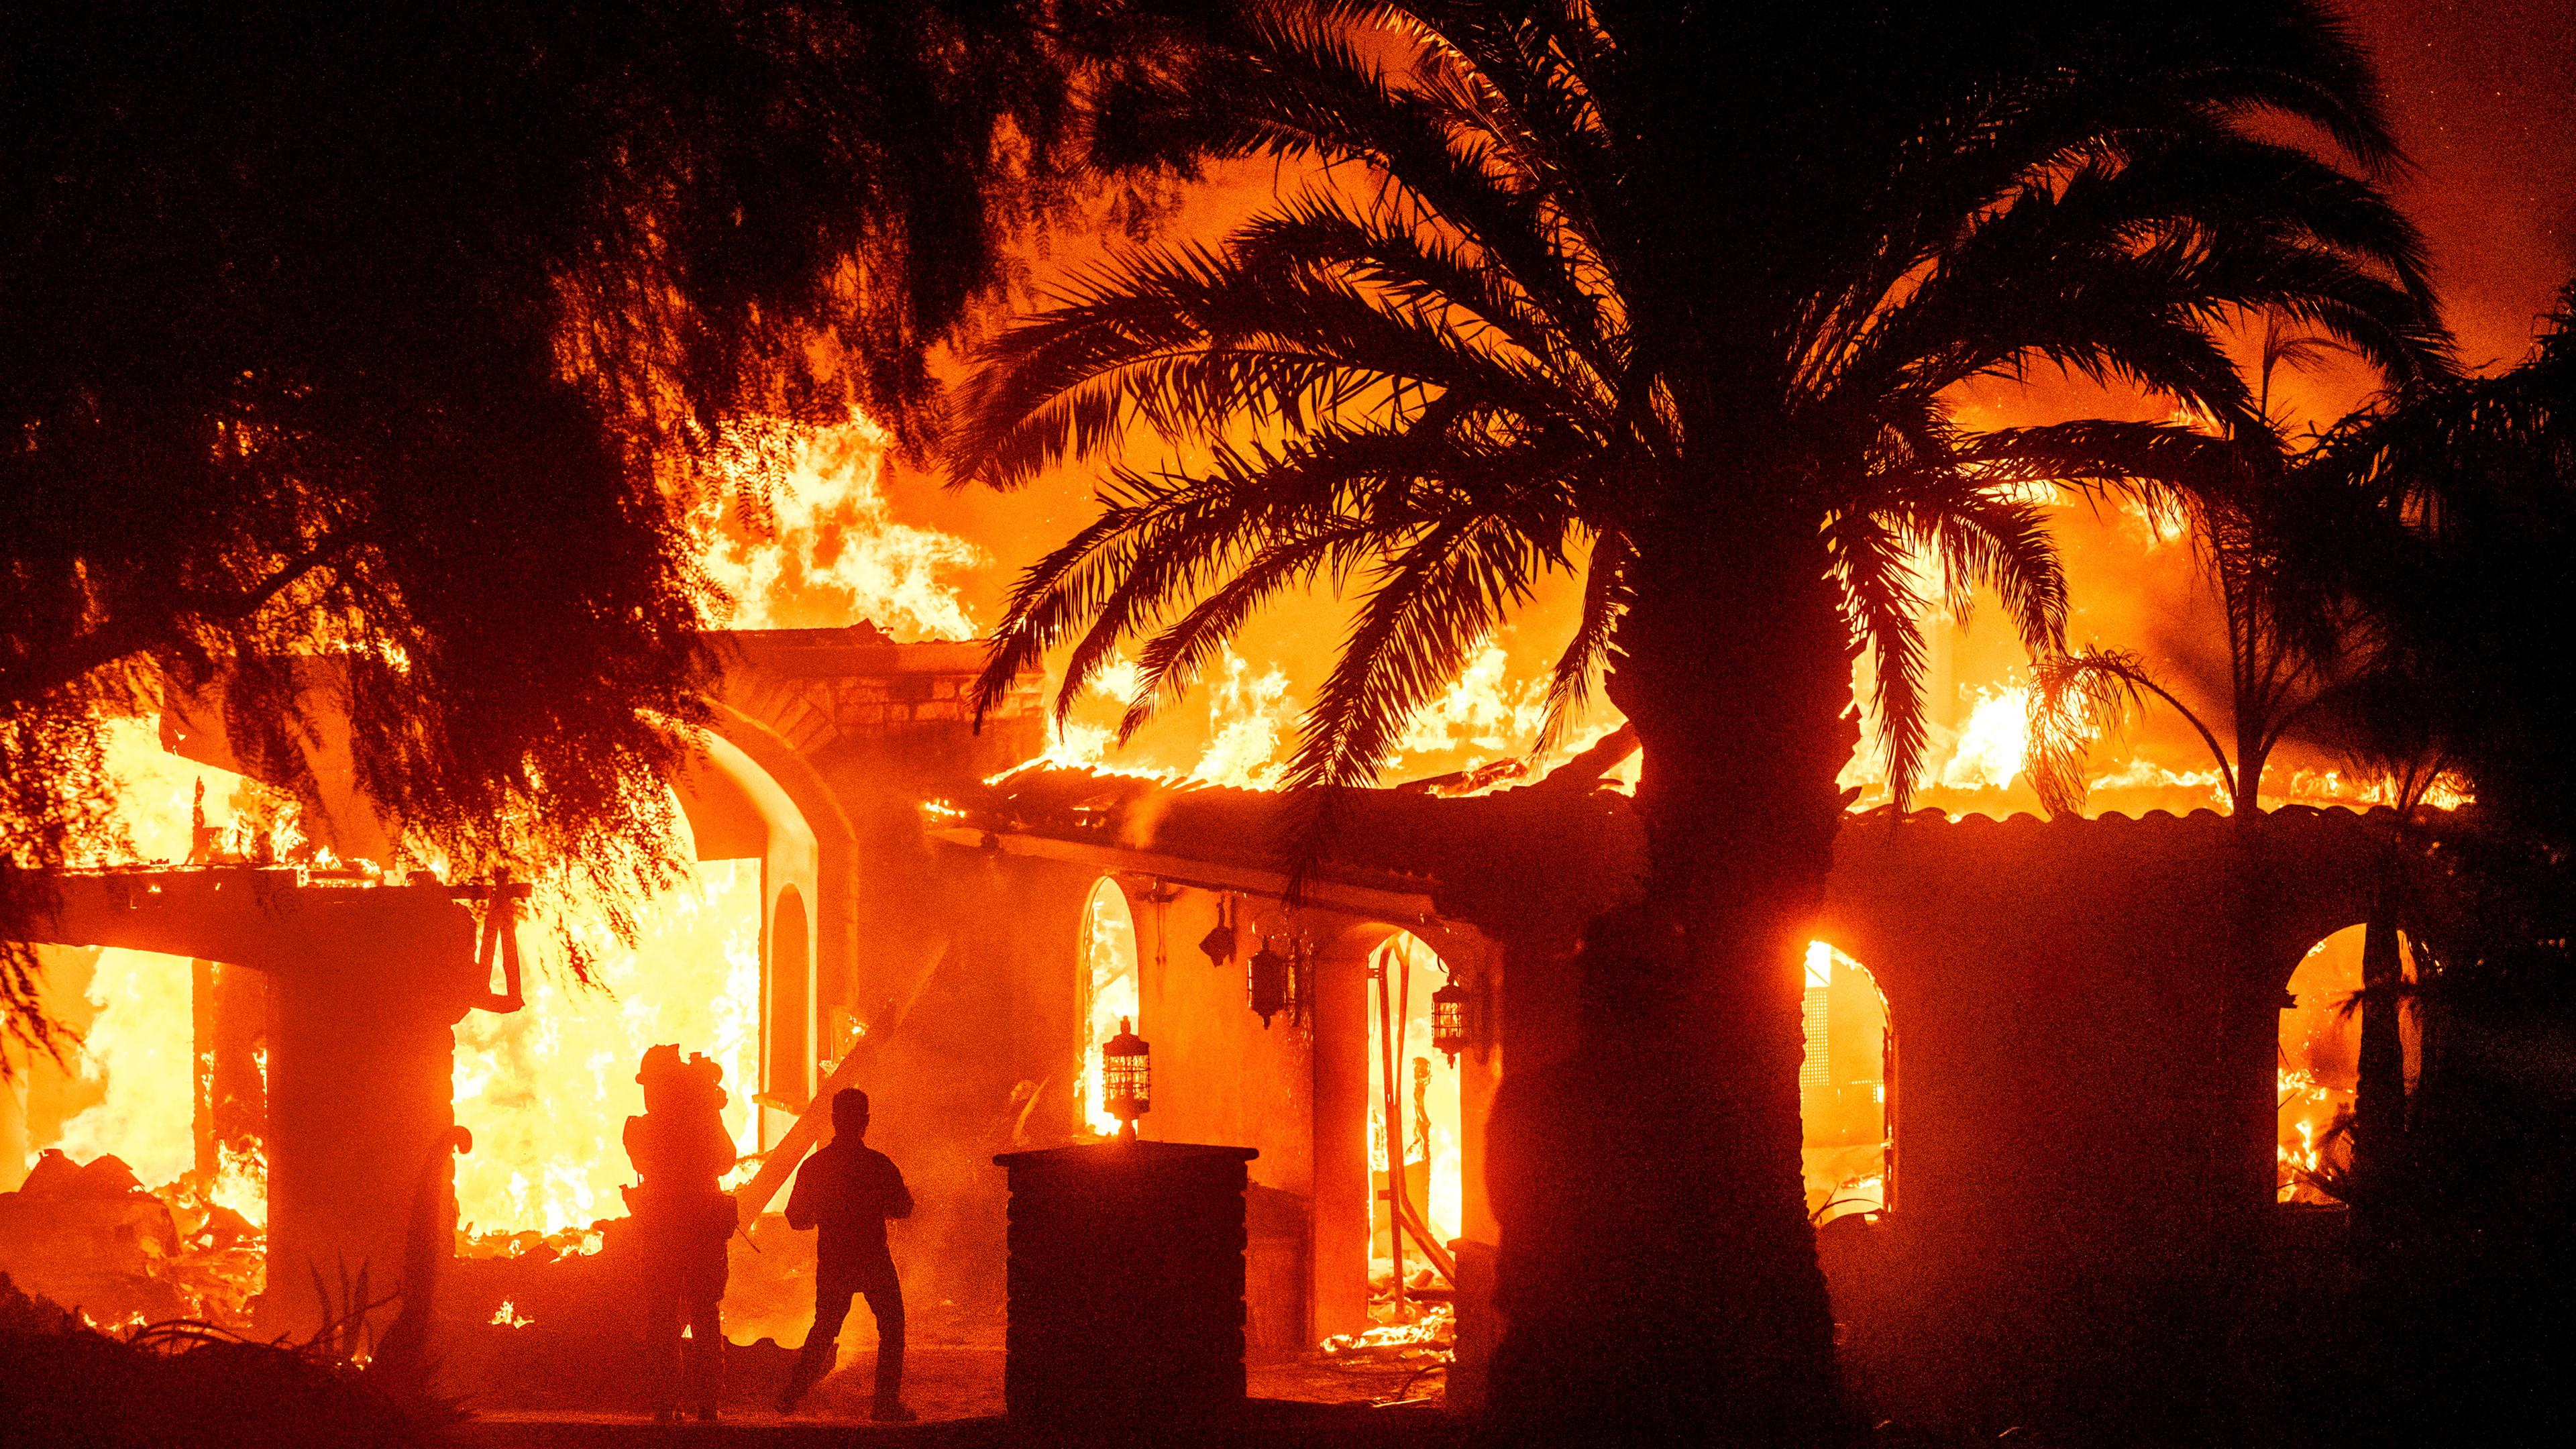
721, 963
546, 1090
1109, 995
1428, 1136
2318, 1072
1844, 1083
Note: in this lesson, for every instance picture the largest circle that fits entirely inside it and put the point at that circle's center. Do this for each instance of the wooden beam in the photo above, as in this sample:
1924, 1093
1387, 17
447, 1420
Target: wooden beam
754, 1196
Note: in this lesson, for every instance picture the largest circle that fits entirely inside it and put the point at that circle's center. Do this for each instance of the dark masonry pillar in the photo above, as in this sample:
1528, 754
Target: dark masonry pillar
231, 1014
364, 986
361, 1088
360, 1092
1126, 1285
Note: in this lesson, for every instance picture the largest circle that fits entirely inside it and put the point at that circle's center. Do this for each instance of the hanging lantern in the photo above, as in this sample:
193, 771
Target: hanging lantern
1126, 1079
1272, 987
1449, 1019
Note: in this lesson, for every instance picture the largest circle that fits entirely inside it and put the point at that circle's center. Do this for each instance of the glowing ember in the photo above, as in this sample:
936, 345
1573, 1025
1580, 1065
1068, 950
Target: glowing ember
241, 1178
508, 1316
1434, 1330
2319, 1065
2310, 1112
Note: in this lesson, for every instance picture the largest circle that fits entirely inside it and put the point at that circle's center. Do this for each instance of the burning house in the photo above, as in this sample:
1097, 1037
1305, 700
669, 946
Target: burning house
2045, 1058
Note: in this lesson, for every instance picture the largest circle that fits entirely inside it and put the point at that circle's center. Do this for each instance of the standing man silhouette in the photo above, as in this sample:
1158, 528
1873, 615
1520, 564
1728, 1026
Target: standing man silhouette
849, 1189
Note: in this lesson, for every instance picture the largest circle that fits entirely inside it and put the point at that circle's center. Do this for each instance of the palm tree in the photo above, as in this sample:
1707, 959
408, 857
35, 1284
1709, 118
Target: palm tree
2273, 544
2278, 537
1669, 296
2469, 484
2477, 476
2369, 706
2390, 725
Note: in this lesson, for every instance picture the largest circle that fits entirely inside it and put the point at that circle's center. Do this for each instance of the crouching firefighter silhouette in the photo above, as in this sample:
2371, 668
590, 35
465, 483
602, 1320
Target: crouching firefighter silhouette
849, 1189
683, 1221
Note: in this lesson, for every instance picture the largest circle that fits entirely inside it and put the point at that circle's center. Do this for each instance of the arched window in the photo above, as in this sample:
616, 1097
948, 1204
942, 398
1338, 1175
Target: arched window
1843, 1087
1109, 991
790, 1059
2319, 1068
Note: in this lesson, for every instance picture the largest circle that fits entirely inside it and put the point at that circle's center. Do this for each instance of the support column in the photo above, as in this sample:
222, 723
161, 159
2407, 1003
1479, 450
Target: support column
1341, 1202
1480, 1074
360, 1100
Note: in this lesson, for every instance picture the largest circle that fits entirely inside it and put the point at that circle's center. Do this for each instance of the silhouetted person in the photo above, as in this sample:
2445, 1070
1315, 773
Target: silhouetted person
849, 1189
683, 1219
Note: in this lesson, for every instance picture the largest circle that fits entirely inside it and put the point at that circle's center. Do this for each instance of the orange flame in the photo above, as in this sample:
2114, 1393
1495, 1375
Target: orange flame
827, 551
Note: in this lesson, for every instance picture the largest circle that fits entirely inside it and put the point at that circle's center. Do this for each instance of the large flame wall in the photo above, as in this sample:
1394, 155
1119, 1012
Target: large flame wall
546, 1091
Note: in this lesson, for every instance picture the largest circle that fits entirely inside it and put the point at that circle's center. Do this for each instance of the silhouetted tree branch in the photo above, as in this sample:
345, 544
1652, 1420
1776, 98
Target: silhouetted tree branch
396, 337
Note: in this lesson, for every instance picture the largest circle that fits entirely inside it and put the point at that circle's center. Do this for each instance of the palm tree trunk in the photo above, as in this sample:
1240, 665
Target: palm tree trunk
2379, 1104
1659, 1274
2241, 1116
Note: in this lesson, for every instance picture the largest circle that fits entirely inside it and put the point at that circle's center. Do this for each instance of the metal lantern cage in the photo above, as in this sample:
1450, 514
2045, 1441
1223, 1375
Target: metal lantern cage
1126, 1078
1272, 982
1449, 1019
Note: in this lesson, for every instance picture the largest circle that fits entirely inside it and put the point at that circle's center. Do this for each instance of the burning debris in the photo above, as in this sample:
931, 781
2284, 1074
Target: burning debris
1394, 1359
92, 1236
1425, 1338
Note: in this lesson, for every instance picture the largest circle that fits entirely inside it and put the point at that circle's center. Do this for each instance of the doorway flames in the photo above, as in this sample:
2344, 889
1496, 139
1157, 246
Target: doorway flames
1843, 1086
547, 1090
544, 1091
2318, 1075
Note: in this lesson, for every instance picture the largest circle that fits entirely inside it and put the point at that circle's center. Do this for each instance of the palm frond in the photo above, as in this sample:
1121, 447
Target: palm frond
1435, 604
1871, 564
1548, 294
1195, 342
1606, 591
2082, 699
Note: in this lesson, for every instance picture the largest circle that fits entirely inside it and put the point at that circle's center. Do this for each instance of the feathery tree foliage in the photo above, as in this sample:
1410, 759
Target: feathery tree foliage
2469, 495
386, 335
2475, 481
2397, 592
2470, 488
1671, 296
2276, 540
